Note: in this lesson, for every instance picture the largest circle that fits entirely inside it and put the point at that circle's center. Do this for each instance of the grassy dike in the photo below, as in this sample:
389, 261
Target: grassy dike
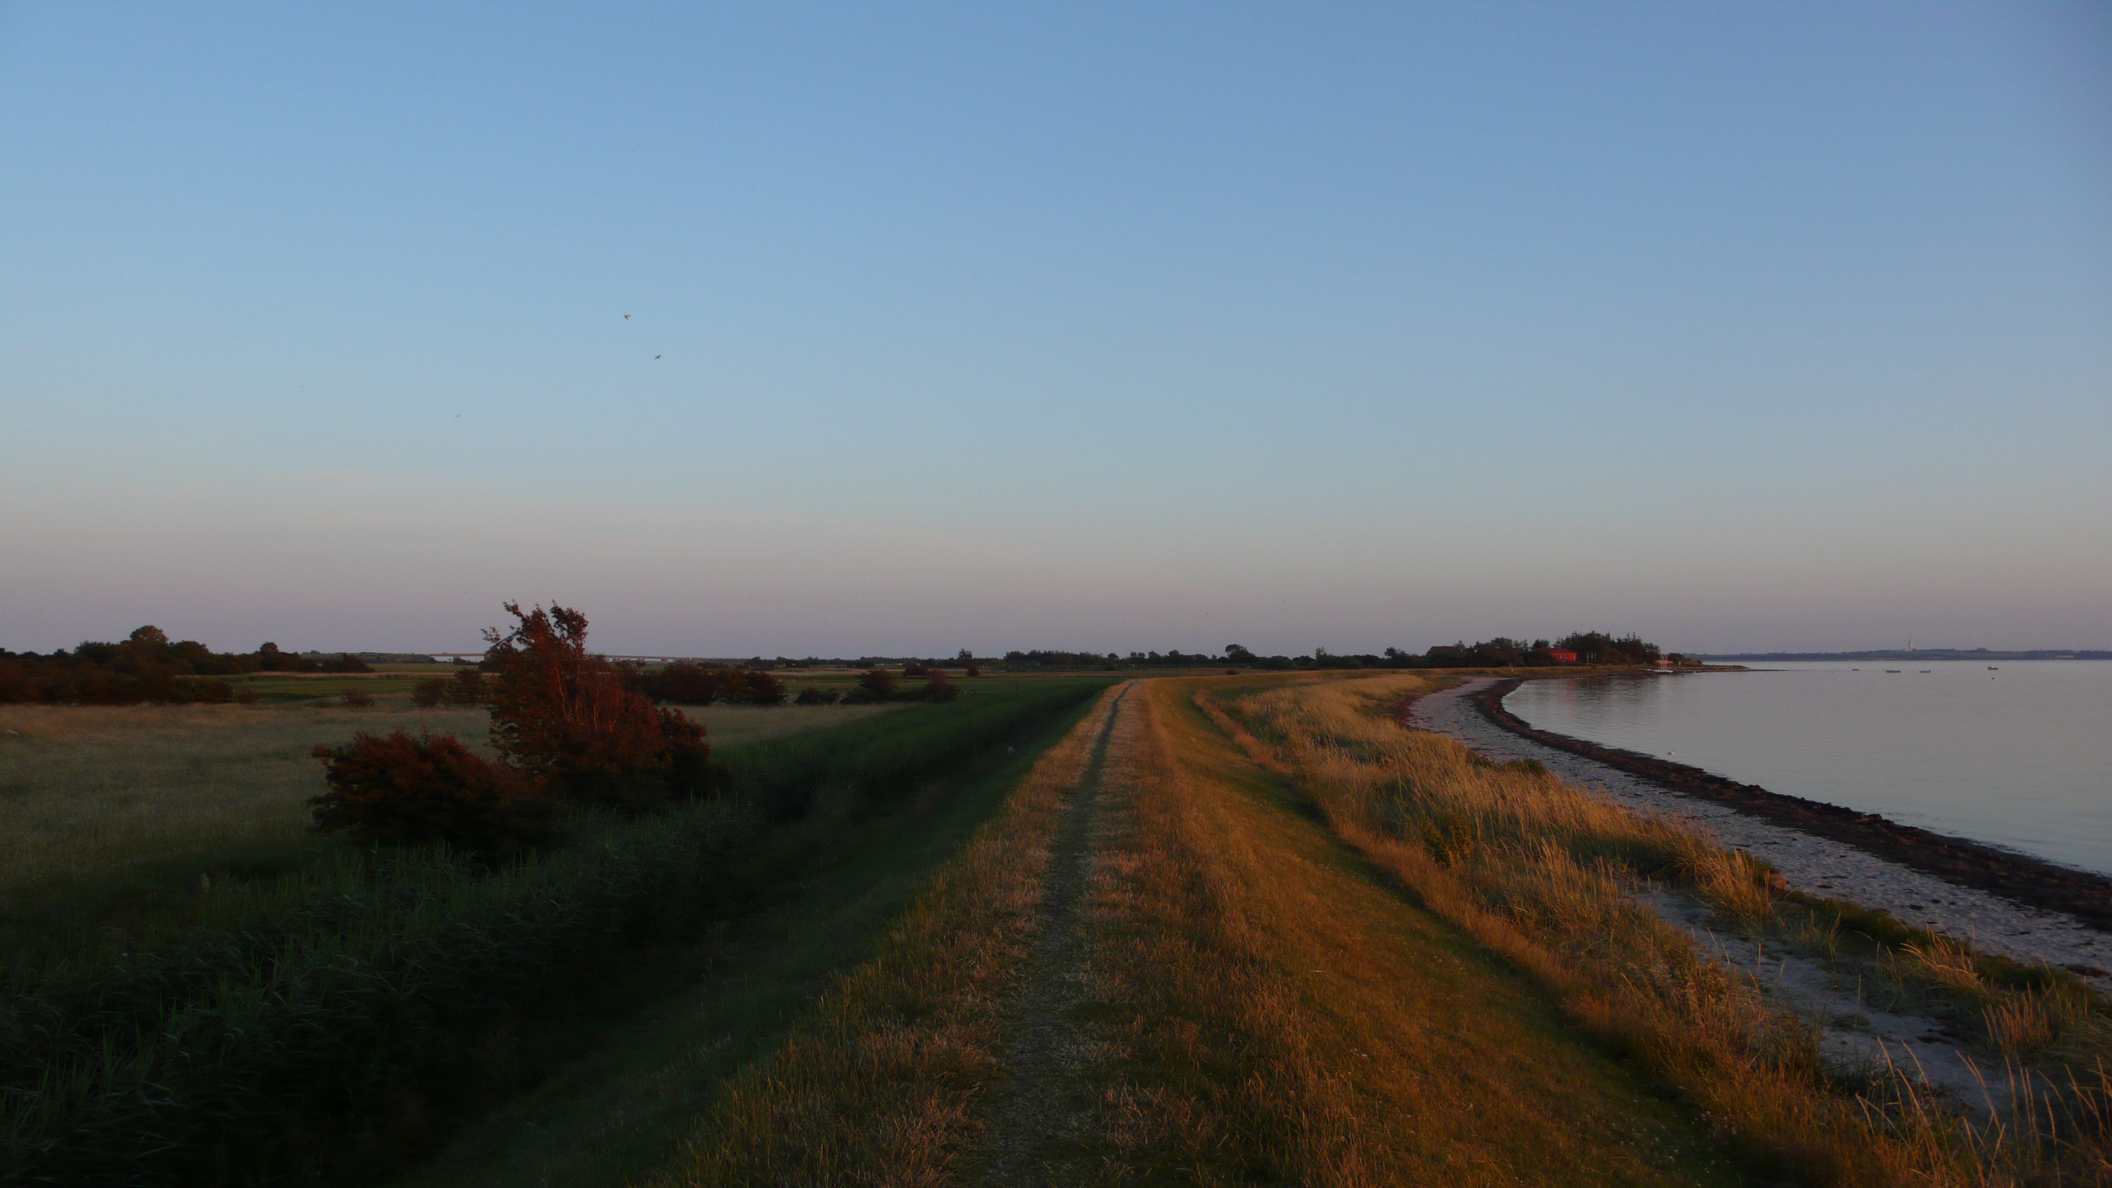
328, 1025
1255, 1005
1318, 949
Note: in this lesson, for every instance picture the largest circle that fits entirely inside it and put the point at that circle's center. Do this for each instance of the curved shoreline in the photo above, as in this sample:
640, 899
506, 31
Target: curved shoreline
2018, 877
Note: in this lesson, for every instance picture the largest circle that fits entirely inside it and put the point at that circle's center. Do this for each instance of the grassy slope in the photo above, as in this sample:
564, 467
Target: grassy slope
1279, 1014
1547, 875
879, 1085
623, 1110
1260, 1008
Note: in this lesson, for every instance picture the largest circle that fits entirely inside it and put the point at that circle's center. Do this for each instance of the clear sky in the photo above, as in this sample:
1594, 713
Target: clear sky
1107, 327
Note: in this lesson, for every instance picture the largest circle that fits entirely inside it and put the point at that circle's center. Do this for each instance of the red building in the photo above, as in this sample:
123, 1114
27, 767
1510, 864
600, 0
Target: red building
1563, 655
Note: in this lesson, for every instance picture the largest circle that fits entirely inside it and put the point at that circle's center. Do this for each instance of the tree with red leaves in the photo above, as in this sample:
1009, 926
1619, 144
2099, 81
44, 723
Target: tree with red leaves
564, 715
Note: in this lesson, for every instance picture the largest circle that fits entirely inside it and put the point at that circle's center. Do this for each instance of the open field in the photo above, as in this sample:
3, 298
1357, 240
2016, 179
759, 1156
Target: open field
1206, 930
105, 809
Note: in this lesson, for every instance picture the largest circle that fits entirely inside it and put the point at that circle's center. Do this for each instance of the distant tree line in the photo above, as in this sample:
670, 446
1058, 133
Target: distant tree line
147, 667
1588, 647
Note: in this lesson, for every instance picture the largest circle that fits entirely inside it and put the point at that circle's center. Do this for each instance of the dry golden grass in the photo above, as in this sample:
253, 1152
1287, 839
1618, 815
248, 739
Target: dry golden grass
1545, 874
880, 1091
1330, 951
1275, 1014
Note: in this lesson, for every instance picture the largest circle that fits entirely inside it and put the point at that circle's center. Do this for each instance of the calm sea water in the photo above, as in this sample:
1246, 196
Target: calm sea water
2020, 756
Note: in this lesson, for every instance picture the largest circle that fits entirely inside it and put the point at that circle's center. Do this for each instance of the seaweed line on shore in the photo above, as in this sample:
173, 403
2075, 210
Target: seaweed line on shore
2018, 877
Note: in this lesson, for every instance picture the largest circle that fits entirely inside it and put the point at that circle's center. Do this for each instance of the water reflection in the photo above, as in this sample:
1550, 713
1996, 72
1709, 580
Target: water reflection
2019, 755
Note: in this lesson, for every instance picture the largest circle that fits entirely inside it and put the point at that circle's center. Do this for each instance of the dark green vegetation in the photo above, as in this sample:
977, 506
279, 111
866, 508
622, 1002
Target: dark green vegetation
847, 873
1585, 647
146, 666
327, 1024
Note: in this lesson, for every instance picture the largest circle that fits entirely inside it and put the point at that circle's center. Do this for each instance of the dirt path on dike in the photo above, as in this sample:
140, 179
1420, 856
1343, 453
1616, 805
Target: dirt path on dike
1041, 1127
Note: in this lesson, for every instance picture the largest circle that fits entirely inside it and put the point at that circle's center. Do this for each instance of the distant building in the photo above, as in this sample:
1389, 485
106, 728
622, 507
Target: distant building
1563, 655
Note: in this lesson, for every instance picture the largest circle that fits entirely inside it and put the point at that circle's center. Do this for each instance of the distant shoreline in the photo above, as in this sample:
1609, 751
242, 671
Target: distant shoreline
1917, 654
2020, 877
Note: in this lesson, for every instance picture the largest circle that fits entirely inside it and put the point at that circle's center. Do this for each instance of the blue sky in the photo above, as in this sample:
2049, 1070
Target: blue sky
1742, 326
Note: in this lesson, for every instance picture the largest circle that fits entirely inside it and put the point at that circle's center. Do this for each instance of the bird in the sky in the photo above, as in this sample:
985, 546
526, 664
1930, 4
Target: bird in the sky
656, 356
626, 317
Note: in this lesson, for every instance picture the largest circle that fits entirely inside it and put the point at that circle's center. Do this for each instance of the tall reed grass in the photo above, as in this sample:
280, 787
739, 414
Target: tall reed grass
340, 1003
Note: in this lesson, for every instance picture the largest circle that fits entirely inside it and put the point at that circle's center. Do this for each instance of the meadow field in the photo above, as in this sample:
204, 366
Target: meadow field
1067, 930
111, 813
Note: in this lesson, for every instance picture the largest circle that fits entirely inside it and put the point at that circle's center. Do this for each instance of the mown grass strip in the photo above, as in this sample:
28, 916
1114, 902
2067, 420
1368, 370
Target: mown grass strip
1273, 1014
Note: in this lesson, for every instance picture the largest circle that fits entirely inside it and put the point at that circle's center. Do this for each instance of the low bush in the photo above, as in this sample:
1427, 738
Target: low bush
874, 685
748, 686
938, 687
356, 699
682, 683
398, 789
813, 696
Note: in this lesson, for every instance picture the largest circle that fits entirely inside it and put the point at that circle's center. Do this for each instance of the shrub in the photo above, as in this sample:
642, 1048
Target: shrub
566, 717
974, 670
813, 696
874, 684
938, 688
688, 684
430, 691
466, 688
355, 699
746, 686
396, 788
346, 663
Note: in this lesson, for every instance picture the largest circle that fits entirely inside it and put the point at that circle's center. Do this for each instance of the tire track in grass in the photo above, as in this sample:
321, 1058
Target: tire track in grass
1041, 1129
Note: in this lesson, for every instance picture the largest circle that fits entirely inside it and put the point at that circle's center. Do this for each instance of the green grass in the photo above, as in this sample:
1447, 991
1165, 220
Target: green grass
625, 1108
110, 816
336, 1018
